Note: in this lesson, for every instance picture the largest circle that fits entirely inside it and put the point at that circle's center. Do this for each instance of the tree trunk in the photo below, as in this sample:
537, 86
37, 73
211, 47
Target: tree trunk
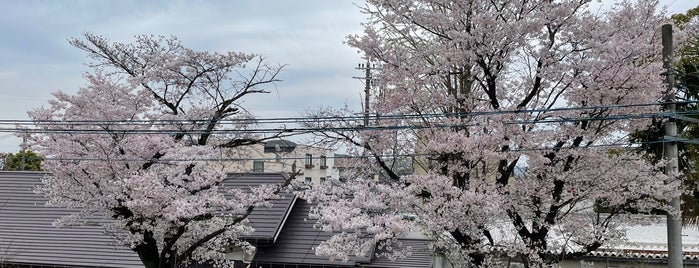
148, 252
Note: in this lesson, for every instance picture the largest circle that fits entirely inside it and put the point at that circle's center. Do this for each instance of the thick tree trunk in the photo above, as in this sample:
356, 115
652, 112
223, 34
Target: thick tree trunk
148, 258
148, 252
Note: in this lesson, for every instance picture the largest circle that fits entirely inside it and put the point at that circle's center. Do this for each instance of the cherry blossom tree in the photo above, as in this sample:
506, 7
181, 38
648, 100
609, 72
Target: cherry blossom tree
514, 113
135, 145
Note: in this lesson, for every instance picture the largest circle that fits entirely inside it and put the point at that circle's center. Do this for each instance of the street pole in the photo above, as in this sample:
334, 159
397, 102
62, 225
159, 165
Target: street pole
367, 89
674, 220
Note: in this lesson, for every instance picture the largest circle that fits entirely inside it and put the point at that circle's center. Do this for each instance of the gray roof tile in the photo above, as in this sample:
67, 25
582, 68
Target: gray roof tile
27, 234
297, 241
420, 256
266, 221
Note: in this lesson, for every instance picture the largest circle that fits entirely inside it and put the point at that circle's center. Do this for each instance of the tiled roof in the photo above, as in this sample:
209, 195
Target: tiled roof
297, 242
28, 237
658, 256
27, 234
648, 242
266, 221
298, 239
420, 256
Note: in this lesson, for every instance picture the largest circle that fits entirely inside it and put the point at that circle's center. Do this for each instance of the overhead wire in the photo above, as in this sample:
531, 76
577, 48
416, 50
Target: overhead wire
73, 126
99, 129
287, 158
315, 119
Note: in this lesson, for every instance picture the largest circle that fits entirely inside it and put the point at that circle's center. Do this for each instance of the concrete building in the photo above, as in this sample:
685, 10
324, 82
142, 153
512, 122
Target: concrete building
314, 164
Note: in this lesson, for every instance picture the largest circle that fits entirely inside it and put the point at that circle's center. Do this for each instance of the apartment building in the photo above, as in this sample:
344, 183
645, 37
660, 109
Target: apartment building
313, 164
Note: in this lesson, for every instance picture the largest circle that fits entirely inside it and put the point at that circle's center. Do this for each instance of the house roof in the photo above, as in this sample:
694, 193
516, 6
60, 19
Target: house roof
27, 234
298, 239
285, 236
279, 146
297, 242
267, 221
647, 242
419, 256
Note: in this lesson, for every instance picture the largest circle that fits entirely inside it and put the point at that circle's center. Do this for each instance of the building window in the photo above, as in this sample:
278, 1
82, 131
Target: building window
323, 162
308, 179
309, 161
322, 179
258, 166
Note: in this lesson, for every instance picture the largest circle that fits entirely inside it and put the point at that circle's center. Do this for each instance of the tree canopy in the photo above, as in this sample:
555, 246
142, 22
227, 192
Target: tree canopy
135, 146
24, 160
687, 83
517, 115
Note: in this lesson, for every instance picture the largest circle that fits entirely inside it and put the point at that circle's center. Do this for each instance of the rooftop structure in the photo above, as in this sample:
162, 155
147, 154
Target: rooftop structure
283, 233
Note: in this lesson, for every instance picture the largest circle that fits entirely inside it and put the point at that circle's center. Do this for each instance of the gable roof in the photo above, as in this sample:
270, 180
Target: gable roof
267, 221
298, 239
28, 237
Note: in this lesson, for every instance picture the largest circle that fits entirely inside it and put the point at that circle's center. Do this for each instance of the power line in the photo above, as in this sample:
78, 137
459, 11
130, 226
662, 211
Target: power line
315, 119
121, 127
229, 159
115, 130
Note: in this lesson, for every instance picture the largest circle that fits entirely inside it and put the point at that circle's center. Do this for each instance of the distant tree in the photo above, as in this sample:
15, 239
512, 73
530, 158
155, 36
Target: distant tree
134, 145
682, 19
24, 160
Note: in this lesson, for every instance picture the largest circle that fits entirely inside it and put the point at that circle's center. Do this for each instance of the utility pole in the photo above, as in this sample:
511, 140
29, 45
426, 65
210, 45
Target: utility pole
674, 221
23, 152
367, 88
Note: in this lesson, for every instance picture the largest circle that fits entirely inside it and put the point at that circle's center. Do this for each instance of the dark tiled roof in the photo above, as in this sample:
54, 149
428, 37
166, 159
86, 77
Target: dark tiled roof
27, 234
297, 241
279, 146
28, 237
266, 221
420, 256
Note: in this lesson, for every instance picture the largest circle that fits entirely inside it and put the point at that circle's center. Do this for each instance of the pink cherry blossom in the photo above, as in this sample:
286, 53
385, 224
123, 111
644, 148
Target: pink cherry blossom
517, 112
137, 140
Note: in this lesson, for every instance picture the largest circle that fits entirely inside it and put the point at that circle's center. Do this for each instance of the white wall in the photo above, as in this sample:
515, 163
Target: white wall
275, 162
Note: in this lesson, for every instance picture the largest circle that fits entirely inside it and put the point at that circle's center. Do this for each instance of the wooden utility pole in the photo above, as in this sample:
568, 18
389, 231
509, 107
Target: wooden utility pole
674, 221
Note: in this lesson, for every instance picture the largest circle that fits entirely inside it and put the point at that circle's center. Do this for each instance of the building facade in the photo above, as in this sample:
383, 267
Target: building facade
311, 164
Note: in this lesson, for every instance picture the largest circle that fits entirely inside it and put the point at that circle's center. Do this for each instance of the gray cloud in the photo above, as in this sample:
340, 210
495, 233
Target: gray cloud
35, 58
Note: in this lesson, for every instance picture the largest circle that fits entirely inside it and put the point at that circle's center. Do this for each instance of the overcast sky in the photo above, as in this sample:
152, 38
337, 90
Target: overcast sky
307, 35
